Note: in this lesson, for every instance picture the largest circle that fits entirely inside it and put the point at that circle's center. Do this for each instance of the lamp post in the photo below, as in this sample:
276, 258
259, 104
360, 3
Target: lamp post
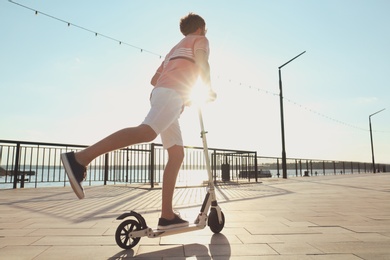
284, 159
372, 143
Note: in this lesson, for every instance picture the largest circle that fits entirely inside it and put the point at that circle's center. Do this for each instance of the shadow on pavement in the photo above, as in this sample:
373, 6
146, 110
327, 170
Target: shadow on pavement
219, 246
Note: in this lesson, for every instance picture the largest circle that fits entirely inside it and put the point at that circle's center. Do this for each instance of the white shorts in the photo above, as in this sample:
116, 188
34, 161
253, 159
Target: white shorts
163, 117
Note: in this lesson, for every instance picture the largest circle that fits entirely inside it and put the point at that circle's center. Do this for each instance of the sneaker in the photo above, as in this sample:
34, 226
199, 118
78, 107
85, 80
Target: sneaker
76, 173
164, 224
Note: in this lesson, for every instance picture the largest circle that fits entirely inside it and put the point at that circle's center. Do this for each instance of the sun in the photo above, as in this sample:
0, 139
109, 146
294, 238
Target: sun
199, 94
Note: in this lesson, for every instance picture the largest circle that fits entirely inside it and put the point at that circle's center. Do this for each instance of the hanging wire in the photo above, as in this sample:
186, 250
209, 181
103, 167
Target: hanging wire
160, 56
85, 29
240, 84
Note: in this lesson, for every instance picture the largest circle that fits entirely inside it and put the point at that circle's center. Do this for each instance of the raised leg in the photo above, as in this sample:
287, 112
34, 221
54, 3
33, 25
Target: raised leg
120, 139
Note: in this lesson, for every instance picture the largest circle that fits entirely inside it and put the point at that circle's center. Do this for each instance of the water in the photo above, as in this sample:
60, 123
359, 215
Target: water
56, 177
50, 177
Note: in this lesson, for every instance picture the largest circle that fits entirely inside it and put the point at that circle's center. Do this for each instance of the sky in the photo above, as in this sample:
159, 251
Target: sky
63, 84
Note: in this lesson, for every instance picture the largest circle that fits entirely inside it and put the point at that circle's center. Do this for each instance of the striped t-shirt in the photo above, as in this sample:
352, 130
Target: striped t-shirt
179, 70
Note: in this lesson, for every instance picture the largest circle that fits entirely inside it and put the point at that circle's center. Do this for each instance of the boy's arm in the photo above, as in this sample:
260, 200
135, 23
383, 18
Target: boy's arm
156, 76
201, 58
154, 79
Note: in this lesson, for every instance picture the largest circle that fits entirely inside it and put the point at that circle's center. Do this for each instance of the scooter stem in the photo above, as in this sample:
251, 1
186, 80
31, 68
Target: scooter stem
206, 152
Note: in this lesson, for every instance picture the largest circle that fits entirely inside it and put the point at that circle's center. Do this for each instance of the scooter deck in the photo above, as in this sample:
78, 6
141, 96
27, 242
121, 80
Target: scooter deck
154, 232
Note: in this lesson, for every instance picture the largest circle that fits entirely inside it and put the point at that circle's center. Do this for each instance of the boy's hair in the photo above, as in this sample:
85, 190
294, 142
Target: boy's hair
191, 23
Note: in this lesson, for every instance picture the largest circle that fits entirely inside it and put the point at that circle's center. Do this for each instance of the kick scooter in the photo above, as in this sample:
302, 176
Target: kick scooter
130, 231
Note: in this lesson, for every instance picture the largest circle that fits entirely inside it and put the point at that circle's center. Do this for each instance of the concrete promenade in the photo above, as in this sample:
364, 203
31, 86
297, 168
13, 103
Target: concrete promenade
323, 217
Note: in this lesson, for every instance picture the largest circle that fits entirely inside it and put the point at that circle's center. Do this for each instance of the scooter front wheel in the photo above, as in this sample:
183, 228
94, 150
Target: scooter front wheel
213, 221
122, 234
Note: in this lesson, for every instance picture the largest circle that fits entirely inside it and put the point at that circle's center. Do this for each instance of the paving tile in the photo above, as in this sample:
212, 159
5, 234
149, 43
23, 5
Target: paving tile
185, 239
59, 224
197, 250
369, 229
373, 256
228, 250
227, 230
19, 223
15, 232
354, 247
336, 257
21, 252
279, 230
85, 252
329, 217
298, 223
331, 230
242, 250
188, 238
321, 237
371, 237
75, 240
156, 252
68, 232
295, 248
259, 239
17, 241
150, 241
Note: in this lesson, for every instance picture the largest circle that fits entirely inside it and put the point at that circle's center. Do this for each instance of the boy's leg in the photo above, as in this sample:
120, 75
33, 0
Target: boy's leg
166, 106
75, 163
175, 159
168, 218
122, 138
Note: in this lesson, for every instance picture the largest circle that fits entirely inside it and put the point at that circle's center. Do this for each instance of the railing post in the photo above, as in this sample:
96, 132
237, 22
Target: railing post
127, 165
151, 166
16, 167
351, 167
358, 167
214, 165
256, 166
307, 166
296, 168
311, 167
300, 168
323, 167
105, 168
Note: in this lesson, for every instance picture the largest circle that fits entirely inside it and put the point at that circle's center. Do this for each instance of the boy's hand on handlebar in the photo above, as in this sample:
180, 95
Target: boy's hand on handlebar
212, 96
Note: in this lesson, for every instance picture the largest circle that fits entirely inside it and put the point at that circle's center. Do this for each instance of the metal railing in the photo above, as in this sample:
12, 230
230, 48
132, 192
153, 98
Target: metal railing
33, 164
297, 167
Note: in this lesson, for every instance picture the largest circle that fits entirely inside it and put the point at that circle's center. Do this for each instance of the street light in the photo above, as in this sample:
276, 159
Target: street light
284, 159
372, 143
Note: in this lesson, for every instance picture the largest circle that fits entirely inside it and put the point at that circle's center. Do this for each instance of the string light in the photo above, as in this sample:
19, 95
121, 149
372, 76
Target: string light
302, 106
85, 29
160, 56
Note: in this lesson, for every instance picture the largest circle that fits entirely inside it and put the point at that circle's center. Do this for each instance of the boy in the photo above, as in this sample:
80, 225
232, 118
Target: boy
173, 82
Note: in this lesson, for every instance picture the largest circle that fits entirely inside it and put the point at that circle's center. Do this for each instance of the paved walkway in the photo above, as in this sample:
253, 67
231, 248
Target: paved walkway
328, 217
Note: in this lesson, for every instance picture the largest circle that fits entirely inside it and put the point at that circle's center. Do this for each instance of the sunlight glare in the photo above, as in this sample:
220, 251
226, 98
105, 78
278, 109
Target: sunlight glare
199, 94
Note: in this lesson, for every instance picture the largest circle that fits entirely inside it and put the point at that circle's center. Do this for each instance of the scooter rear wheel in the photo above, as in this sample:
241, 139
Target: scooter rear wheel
122, 234
213, 221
